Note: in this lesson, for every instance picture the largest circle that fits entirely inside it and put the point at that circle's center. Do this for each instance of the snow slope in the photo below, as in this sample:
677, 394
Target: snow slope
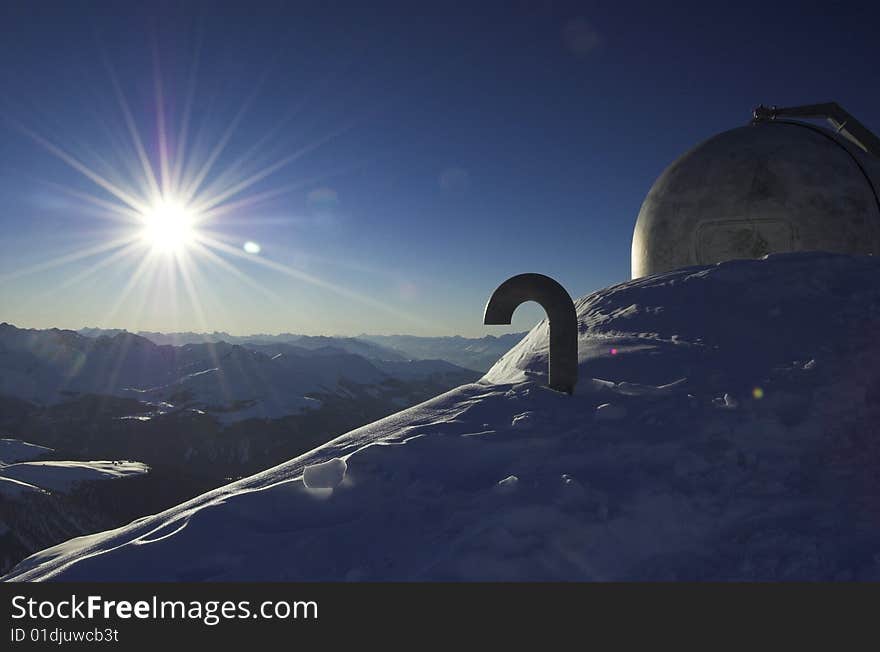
723, 428
21, 473
15, 450
63, 476
10, 488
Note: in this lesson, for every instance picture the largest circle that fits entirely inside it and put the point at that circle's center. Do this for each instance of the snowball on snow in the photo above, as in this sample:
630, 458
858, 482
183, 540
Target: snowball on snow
325, 475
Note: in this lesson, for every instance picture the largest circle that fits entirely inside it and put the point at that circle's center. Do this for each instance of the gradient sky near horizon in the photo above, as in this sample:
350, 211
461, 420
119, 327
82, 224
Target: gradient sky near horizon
394, 163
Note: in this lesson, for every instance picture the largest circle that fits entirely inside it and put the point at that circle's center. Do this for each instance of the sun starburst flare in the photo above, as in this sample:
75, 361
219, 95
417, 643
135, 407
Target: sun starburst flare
169, 226
170, 201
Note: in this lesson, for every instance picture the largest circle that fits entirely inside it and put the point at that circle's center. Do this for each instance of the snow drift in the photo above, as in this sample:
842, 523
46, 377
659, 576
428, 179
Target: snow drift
723, 428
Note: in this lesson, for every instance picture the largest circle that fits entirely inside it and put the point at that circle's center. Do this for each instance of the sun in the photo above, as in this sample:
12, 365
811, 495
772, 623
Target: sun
168, 226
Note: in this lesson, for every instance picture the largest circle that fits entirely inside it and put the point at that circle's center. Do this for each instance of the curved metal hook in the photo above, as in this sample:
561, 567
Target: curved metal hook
560, 313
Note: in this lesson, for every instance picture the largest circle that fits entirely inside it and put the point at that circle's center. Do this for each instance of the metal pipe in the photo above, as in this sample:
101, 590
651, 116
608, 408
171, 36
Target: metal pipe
561, 314
843, 122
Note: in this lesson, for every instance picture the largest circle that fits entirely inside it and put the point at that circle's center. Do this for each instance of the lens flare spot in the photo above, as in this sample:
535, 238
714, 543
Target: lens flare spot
251, 247
613, 351
758, 393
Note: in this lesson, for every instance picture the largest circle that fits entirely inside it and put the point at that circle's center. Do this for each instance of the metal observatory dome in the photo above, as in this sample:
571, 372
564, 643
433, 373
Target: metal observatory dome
775, 185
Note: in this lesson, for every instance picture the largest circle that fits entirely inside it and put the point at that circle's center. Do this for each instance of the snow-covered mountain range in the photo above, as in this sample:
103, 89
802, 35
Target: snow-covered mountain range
724, 427
471, 353
231, 381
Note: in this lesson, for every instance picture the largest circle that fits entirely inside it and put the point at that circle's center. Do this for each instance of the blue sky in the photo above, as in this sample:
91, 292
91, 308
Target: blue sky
425, 152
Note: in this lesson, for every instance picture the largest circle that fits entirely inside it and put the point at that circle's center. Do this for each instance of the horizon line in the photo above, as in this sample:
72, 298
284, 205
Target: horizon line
141, 333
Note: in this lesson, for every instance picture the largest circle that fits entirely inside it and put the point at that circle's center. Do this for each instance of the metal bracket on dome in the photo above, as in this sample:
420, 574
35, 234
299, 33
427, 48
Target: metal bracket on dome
562, 318
843, 123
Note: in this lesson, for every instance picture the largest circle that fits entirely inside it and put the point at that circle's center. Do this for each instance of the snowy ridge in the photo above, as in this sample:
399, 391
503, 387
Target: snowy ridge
63, 475
10, 488
15, 450
21, 472
722, 428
